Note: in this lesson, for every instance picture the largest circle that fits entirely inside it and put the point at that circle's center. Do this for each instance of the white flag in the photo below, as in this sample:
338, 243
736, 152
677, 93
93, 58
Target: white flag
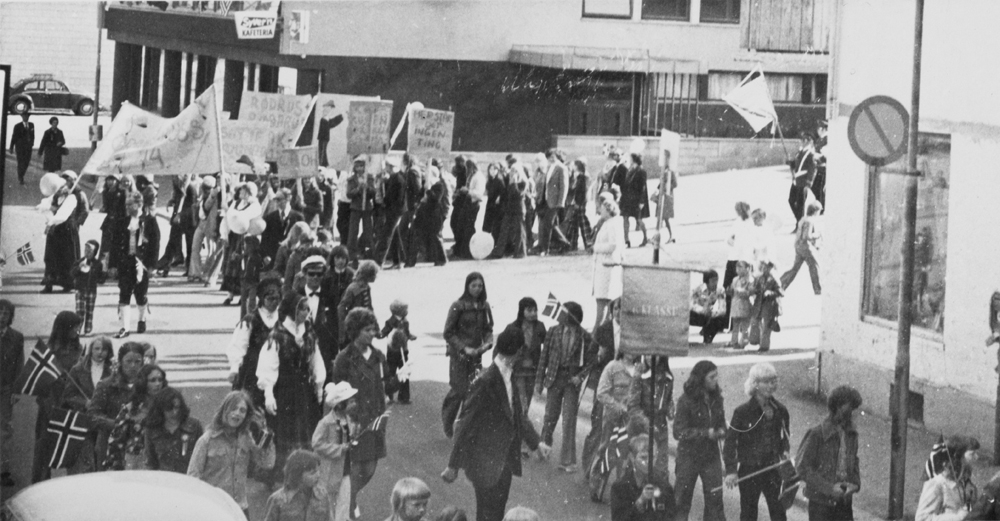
143, 143
753, 102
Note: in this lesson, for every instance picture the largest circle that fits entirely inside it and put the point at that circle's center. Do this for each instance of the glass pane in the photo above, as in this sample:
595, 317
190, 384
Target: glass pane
885, 228
665, 9
726, 11
613, 8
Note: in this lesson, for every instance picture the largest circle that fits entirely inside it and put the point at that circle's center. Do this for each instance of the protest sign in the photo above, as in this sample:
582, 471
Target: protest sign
142, 143
298, 162
655, 310
430, 132
284, 113
245, 138
330, 130
368, 128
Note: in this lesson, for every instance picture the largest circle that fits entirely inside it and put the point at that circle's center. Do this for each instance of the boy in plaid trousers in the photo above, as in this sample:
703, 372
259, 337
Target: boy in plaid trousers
577, 225
88, 273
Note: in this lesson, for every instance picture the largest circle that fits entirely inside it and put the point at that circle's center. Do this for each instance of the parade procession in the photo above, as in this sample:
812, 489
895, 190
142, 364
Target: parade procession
502, 260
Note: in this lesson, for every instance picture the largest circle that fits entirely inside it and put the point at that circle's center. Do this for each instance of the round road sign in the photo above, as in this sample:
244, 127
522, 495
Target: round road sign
878, 130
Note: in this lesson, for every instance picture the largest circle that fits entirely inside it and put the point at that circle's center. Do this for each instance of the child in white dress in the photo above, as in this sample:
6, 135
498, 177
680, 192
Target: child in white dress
741, 308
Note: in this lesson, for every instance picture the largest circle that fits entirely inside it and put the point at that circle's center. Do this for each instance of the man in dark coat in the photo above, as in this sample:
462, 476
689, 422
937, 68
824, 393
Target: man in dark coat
278, 223
635, 196
390, 243
52, 146
489, 432
21, 143
327, 123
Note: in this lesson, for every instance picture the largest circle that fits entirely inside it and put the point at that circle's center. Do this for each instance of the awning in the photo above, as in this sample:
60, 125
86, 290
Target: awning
600, 59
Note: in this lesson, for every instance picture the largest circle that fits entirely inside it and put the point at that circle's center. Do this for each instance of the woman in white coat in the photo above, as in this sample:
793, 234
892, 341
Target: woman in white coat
609, 243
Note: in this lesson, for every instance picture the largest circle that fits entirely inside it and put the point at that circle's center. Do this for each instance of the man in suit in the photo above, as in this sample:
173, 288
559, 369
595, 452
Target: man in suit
21, 143
322, 310
390, 240
328, 122
489, 432
278, 223
552, 191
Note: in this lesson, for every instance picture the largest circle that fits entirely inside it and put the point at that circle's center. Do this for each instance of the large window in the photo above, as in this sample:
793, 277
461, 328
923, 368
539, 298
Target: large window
884, 237
666, 9
720, 11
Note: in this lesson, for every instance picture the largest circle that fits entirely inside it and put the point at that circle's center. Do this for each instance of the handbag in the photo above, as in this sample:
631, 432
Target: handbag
64, 151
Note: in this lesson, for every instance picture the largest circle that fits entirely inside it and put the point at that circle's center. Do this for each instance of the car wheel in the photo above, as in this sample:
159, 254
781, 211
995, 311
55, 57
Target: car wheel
85, 108
20, 106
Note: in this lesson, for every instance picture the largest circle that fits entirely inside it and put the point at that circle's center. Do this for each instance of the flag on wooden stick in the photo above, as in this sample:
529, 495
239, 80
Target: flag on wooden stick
24, 255
752, 101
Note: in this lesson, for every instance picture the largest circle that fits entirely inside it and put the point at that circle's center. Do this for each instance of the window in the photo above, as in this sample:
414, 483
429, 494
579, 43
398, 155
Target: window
884, 237
781, 87
666, 10
607, 8
720, 11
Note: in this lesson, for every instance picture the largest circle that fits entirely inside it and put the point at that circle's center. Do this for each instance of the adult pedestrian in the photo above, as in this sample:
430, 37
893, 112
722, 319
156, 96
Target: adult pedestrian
244, 208
309, 200
577, 224
496, 193
535, 177
758, 438
249, 337
819, 183
222, 455
335, 283
468, 332
361, 191
467, 205
126, 442
803, 168
278, 225
635, 198
111, 394
699, 425
428, 222
64, 342
828, 459
357, 295
512, 237
552, 190
738, 242
62, 240
11, 362
569, 357
207, 232
708, 306
389, 244
170, 433
323, 311
807, 239
290, 253
183, 221
365, 369
668, 183
655, 404
22, 140
609, 246
527, 359
291, 373
489, 433
53, 147
137, 259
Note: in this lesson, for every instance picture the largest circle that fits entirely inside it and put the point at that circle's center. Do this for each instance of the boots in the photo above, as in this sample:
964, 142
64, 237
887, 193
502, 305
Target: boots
143, 309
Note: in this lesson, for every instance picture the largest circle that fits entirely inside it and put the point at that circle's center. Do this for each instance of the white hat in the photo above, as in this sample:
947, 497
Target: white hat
313, 261
338, 392
208, 181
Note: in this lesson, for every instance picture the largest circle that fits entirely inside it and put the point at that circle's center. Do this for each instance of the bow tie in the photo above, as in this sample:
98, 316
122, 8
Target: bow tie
314, 293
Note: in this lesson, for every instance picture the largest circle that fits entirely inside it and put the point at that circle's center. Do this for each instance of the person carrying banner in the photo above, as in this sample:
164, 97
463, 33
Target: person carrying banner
643, 398
11, 362
62, 239
138, 259
803, 174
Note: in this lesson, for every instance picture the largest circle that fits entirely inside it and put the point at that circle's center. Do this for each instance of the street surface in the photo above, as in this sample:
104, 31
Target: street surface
190, 329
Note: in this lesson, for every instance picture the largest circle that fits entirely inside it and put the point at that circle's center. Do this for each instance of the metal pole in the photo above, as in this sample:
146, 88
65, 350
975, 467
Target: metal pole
897, 466
97, 76
652, 416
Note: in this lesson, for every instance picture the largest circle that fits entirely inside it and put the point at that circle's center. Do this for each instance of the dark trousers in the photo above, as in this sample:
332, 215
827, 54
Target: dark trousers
432, 244
548, 230
128, 286
491, 502
343, 221
390, 242
324, 161
524, 386
183, 230
450, 408
529, 226
23, 161
727, 280
687, 470
797, 201
710, 326
840, 511
593, 440
563, 397
769, 484
356, 238
512, 238
361, 474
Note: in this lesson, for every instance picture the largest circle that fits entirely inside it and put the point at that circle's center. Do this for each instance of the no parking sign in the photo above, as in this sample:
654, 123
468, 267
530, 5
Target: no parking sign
878, 130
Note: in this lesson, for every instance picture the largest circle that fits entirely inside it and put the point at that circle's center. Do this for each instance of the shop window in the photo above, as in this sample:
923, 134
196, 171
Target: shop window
720, 11
607, 8
884, 237
666, 9
781, 87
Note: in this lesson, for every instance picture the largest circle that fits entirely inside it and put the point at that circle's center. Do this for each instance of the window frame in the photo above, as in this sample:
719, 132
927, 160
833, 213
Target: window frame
584, 14
685, 18
735, 3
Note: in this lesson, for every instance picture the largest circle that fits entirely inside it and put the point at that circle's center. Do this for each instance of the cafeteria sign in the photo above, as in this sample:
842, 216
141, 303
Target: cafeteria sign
255, 25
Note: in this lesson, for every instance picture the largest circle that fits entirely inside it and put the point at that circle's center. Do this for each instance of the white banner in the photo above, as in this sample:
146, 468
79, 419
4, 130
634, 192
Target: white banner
286, 115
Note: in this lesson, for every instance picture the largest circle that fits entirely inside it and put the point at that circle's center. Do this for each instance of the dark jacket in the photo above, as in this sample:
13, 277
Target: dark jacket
987, 506
72, 395
326, 323
548, 366
11, 358
578, 192
627, 490
52, 146
469, 324
149, 251
527, 358
695, 416
372, 379
803, 168
489, 432
754, 441
635, 196
275, 232
361, 191
817, 460
23, 137
394, 198
413, 189
171, 451
91, 279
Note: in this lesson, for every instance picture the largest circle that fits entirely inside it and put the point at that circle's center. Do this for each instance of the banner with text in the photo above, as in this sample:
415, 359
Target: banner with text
245, 138
143, 143
330, 129
284, 113
430, 132
655, 310
368, 130
298, 162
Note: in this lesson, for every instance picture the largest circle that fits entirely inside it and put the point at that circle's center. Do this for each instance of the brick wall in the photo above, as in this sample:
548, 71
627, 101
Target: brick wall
58, 38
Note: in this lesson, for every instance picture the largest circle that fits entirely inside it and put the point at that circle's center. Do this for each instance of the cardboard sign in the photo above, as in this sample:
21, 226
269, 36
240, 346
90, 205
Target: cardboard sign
368, 128
331, 123
430, 132
285, 114
245, 138
655, 312
298, 162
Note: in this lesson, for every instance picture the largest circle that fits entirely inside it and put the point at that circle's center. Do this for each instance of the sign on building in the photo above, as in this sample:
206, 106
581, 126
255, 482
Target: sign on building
430, 132
655, 310
256, 25
368, 131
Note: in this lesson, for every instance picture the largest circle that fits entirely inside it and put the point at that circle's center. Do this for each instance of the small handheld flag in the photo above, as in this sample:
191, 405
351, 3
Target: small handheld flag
64, 437
39, 371
553, 308
24, 255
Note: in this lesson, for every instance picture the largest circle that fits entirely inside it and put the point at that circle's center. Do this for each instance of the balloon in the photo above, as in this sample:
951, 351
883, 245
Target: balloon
638, 146
481, 245
49, 183
238, 222
416, 105
257, 226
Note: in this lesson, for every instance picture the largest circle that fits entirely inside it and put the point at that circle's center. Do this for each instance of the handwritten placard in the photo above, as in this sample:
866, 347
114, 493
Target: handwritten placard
430, 132
284, 113
330, 129
245, 138
655, 310
368, 129
298, 162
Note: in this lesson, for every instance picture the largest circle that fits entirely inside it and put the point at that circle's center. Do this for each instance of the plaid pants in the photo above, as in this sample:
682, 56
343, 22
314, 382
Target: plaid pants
85, 307
577, 225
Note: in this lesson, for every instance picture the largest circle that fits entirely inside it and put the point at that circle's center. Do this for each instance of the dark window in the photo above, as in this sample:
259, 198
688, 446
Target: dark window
720, 11
666, 9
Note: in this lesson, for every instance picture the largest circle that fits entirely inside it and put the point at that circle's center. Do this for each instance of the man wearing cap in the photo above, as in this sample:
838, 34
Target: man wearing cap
278, 223
361, 191
322, 308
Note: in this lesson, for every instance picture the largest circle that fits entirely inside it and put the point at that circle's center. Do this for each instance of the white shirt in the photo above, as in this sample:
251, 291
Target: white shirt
240, 342
96, 372
477, 187
940, 500
313, 302
268, 364
506, 371
65, 210
342, 188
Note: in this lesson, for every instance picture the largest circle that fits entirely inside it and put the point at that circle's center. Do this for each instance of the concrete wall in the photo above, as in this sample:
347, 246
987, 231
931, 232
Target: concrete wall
58, 38
954, 370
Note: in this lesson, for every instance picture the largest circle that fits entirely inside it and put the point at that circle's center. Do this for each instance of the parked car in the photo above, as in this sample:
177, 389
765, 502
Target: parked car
149, 495
42, 92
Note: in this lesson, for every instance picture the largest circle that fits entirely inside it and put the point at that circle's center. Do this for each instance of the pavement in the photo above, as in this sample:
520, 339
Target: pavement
189, 326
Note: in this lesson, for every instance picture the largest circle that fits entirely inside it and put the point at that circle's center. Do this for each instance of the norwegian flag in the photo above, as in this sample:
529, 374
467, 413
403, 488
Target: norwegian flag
24, 255
39, 372
64, 436
553, 308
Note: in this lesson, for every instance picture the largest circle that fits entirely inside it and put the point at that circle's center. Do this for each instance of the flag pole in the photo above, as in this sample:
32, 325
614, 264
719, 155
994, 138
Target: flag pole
781, 135
218, 129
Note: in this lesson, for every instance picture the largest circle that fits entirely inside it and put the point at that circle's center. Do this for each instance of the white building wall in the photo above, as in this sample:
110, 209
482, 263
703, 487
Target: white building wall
959, 98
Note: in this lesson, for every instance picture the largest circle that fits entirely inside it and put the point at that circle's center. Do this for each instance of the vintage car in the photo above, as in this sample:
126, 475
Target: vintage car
43, 93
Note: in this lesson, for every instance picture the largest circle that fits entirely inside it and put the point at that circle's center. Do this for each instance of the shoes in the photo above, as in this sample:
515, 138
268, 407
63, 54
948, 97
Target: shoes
644, 243
395, 266
122, 333
708, 338
569, 469
356, 514
46, 290
775, 326
141, 328
228, 301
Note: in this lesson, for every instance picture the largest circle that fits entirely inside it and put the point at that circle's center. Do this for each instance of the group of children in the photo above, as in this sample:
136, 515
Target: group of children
755, 305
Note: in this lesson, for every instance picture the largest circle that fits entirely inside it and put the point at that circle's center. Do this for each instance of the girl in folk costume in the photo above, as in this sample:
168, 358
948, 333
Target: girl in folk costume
249, 338
244, 208
290, 371
62, 238
138, 258
332, 442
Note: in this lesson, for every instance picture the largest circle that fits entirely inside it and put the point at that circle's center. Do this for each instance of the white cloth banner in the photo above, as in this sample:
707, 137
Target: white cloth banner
753, 102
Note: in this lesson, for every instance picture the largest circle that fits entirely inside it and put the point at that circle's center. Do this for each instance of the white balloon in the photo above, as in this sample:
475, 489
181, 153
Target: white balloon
238, 222
481, 245
638, 146
257, 226
416, 105
49, 183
